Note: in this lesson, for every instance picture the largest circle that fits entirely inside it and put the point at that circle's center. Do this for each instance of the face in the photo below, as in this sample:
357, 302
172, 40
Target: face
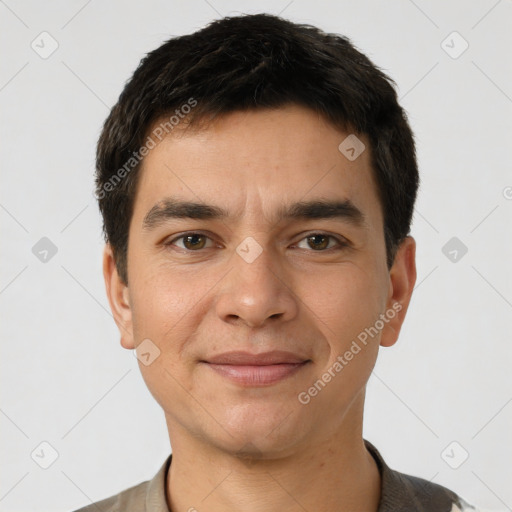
261, 308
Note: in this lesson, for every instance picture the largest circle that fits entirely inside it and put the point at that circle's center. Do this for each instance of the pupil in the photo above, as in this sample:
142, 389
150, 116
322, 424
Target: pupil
190, 240
315, 240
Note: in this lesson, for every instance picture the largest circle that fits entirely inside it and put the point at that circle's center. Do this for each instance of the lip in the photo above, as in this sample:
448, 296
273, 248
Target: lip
247, 359
255, 370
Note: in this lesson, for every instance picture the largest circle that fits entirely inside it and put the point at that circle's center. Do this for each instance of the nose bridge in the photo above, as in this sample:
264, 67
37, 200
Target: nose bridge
256, 288
255, 263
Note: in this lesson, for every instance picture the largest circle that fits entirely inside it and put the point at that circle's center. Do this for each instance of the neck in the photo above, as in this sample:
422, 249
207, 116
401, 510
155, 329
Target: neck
335, 473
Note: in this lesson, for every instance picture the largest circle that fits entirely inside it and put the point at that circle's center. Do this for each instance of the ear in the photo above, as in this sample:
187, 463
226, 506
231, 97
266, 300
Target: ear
402, 277
118, 297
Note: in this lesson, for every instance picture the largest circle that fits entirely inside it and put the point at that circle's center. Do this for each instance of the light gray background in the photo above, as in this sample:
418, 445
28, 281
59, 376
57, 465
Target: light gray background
65, 378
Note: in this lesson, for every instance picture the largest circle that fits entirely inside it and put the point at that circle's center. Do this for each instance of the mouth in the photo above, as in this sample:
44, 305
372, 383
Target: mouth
255, 370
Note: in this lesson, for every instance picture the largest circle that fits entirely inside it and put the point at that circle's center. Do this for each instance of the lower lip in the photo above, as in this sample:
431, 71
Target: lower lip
257, 375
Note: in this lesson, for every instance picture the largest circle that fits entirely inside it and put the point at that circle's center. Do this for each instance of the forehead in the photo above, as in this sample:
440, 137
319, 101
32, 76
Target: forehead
253, 162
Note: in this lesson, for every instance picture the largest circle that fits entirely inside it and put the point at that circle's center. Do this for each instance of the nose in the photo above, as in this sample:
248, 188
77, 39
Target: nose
257, 292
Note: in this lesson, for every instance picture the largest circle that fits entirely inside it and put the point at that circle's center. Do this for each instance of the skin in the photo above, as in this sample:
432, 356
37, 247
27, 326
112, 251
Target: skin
259, 448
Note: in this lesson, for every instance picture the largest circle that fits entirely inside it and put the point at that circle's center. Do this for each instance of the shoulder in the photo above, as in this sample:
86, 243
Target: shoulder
146, 496
428, 496
131, 499
402, 493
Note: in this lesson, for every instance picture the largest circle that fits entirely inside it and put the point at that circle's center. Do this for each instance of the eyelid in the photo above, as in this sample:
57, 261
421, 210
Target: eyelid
341, 241
179, 236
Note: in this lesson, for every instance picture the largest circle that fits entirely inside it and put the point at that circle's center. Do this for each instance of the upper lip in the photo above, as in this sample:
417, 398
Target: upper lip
248, 359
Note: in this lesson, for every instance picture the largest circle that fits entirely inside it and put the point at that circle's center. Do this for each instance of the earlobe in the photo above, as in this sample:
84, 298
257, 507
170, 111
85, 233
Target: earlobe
118, 297
402, 278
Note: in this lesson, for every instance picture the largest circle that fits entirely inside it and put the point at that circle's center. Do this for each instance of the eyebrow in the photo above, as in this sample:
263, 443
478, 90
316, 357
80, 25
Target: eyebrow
172, 208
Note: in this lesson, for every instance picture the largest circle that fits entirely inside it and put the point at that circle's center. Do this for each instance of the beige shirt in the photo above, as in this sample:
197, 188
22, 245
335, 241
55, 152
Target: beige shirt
399, 493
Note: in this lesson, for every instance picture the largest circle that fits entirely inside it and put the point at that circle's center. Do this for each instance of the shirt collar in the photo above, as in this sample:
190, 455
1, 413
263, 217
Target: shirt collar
397, 493
156, 496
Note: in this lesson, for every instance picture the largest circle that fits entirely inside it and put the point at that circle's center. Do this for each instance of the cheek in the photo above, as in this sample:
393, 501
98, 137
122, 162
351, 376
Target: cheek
169, 306
159, 301
346, 299
164, 310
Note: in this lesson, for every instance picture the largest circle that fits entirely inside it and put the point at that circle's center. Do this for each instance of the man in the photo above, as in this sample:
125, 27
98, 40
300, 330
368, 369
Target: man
257, 181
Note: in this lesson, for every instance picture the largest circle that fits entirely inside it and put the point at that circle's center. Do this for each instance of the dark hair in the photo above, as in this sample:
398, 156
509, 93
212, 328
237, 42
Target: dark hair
253, 62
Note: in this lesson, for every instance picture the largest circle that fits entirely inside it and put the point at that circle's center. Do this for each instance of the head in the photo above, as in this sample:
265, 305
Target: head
257, 182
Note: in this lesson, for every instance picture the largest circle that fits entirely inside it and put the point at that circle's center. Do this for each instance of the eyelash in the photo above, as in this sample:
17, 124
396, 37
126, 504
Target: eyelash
341, 243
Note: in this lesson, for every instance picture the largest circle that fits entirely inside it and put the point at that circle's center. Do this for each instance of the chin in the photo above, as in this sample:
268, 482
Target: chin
260, 432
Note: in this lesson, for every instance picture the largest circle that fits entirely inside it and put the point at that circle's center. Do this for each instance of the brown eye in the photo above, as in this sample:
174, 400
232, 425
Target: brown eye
190, 241
194, 241
320, 242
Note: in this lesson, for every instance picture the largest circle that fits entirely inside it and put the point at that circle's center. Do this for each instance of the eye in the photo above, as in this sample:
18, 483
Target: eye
191, 241
321, 242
